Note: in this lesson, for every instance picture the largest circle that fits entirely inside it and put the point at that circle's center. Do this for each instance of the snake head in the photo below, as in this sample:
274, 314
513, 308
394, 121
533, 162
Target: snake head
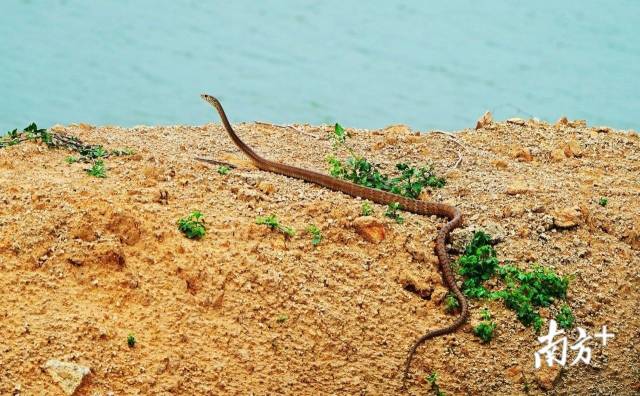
208, 98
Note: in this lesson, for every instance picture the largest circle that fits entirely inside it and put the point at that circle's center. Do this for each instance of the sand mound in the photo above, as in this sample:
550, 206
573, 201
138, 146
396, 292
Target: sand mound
84, 262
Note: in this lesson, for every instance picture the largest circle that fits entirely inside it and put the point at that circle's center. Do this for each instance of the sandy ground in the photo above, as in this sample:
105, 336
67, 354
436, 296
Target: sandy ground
84, 262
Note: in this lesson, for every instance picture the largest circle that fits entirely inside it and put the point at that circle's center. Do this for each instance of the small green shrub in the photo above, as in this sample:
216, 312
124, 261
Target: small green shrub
316, 235
433, 380
484, 330
282, 318
524, 291
565, 317
96, 152
392, 212
367, 209
98, 169
223, 170
360, 171
451, 303
71, 159
131, 340
273, 223
339, 135
192, 226
603, 201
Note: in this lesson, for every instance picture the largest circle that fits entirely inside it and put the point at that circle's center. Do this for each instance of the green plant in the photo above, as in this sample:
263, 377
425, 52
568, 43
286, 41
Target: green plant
367, 209
451, 303
411, 180
433, 380
282, 318
477, 264
485, 314
315, 234
524, 291
603, 201
131, 340
223, 170
392, 212
273, 223
192, 226
339, 135
484, 330
95, 152
565, 317
87, 152
360, 171
98, 169
31, 132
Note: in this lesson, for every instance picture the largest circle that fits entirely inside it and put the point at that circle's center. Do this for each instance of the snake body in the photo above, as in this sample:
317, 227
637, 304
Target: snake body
453, 214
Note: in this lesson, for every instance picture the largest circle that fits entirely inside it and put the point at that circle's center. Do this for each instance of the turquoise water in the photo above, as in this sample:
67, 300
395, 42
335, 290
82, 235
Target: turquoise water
364, 64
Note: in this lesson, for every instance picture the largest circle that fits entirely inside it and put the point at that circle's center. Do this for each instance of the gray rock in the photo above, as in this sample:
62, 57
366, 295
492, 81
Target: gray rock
67, 375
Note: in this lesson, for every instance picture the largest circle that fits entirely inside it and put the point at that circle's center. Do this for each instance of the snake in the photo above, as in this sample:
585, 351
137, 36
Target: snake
453, 214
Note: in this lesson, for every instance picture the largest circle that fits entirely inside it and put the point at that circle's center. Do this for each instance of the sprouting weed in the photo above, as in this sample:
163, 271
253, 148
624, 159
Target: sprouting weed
96, 152
192, 226
433, 380
565, 317
367, 209
131, 340
451, 303
272, 222
392, 212
484, 330
339, 135
282, 318
223, 169
603, 201
316, 235
71, 160
98, 169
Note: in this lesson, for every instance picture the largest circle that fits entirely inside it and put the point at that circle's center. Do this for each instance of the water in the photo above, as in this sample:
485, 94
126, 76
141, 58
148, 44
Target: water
364, 64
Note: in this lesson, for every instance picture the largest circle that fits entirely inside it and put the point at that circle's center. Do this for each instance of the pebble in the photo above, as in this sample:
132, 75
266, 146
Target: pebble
67, 375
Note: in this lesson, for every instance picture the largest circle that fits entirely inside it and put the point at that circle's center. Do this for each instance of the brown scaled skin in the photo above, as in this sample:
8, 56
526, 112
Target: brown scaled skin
382, 197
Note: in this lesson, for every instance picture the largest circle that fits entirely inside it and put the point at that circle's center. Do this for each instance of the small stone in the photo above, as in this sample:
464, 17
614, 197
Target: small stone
558, 154
516, 121
85, 127
370, 228
484, 121
632, 237
547, 377
563, 121
500, 164
515, 374
266, 187
573, 149
67, 375
522, 154
567, 217
518, 187
495, 231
